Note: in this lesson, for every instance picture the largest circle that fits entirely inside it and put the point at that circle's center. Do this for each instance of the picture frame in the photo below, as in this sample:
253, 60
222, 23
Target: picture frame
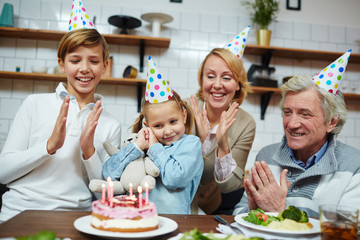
293, 5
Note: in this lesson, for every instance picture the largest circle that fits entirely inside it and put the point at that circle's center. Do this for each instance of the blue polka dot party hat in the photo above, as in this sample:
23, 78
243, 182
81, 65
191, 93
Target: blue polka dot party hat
79, 17
330, 77
238, 43
157, 89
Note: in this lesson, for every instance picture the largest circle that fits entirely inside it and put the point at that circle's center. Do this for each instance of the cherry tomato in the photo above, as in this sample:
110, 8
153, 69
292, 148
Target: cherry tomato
262, 217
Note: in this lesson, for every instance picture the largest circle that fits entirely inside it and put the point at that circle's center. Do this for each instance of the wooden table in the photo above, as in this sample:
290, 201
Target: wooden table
61, 222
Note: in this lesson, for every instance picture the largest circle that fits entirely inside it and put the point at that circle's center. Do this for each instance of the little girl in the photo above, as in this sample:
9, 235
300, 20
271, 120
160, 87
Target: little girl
167, 121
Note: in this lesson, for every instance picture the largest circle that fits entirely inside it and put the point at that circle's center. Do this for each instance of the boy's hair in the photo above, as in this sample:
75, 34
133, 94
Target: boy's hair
82, 37
236, 67
182, 105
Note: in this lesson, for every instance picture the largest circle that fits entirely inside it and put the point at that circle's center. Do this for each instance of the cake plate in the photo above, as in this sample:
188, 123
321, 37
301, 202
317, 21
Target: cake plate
124, 22
156, 19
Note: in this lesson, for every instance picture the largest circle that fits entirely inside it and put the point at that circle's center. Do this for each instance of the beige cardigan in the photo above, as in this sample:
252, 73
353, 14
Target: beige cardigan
241, 136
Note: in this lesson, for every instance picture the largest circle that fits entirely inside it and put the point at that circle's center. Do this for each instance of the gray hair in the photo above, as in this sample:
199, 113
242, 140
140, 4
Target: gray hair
333, 104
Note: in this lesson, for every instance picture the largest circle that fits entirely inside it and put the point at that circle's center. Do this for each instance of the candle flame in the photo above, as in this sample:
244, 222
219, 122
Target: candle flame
146, 185
139, 189
108, 179
130, 184
103, 185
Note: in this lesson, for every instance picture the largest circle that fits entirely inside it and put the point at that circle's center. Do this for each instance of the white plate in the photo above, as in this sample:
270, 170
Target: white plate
316, 229
217, 235
166, 225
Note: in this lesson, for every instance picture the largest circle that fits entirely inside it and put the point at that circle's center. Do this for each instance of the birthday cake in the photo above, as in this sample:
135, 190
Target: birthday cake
124, 214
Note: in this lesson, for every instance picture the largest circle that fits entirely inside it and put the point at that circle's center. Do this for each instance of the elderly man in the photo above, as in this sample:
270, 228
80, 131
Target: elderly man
310, 166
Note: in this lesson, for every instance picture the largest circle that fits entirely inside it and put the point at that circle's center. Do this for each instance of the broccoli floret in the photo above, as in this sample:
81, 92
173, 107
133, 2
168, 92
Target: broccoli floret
295, 214
291, 213
304, 217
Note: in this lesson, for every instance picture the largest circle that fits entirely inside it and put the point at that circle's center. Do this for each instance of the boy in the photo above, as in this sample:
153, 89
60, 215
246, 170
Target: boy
54, 146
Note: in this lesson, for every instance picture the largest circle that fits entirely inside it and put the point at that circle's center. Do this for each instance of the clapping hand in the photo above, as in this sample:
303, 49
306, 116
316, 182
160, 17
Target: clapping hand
57, 137
263, 191
202, 125
227, 119
88, 132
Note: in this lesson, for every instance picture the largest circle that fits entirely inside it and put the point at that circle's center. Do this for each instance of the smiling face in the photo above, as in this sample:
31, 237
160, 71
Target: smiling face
83, 67
167, 121
304, 123
218, 84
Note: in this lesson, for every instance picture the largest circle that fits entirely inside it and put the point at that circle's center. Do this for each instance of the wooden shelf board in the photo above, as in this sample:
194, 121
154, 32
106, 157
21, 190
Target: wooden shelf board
123, 39
298, 53
62, 78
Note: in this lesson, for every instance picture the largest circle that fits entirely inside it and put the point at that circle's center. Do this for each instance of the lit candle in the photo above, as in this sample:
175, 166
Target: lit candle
111, 187
146, 193
140, 196
103, 192
130, 189
108, 181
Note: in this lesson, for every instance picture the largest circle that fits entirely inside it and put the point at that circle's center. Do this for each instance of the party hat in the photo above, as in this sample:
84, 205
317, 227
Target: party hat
157, 89
79, 17
238, 43
330, 77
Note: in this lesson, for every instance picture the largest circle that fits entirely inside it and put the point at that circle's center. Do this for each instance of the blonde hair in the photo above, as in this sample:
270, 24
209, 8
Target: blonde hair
333, 104
180, 103
82, 37
236, 67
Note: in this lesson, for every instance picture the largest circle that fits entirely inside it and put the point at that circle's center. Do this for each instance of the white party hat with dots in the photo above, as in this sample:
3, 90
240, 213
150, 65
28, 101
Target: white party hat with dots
79, 17
330, 77
238, 43
157, 89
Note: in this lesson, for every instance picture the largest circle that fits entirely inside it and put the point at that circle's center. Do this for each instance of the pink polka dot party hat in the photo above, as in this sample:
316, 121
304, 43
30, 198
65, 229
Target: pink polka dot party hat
79, 17
330, 77
157, 89
238, 43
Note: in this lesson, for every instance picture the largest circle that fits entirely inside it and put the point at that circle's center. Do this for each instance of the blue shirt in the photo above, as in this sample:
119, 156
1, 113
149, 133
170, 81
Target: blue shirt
181, 167
312, 160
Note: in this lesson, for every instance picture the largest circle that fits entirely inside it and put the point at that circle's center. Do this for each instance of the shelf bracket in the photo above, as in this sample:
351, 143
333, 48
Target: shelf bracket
265, 99
139, 85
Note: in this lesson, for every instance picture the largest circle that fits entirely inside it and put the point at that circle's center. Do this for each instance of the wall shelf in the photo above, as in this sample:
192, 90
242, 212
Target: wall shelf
267, 92
119, 39
298, 53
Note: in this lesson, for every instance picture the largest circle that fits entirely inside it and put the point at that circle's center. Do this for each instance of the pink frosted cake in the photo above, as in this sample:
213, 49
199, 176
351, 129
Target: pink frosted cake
125, 215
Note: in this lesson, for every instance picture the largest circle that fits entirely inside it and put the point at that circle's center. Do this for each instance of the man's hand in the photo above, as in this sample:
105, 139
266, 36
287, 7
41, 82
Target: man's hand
88, 132
263, 191
57, 137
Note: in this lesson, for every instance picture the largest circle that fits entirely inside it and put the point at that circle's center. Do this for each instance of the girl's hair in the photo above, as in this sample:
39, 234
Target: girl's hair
180, 103
236, 67
333, 104
82, 37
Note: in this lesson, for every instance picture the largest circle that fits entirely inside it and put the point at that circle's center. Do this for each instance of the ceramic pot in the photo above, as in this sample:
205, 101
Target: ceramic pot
263, 37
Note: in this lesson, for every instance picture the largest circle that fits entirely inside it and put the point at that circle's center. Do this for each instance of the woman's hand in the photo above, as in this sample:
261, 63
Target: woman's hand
88, 132
57, 137
143, 139
202, 125
263, 191
227, 119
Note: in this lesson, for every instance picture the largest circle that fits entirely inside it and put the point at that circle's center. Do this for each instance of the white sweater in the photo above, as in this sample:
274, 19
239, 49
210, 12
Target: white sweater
38, 180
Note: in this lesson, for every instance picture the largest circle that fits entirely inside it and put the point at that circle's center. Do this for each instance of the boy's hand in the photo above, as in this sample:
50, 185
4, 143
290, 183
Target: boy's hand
87, 134
143, 139
57, 137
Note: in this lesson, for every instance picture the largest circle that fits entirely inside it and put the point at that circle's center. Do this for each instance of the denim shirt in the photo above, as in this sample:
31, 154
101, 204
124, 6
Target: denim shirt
312, 160
181, 167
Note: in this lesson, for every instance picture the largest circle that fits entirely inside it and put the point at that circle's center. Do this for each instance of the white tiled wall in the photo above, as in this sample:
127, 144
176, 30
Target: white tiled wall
193, 34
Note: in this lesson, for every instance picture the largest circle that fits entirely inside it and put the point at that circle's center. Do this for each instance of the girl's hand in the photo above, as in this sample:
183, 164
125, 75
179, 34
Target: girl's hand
152, 138
57, 137
227, 119
143, 139
88, 132
202, 125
